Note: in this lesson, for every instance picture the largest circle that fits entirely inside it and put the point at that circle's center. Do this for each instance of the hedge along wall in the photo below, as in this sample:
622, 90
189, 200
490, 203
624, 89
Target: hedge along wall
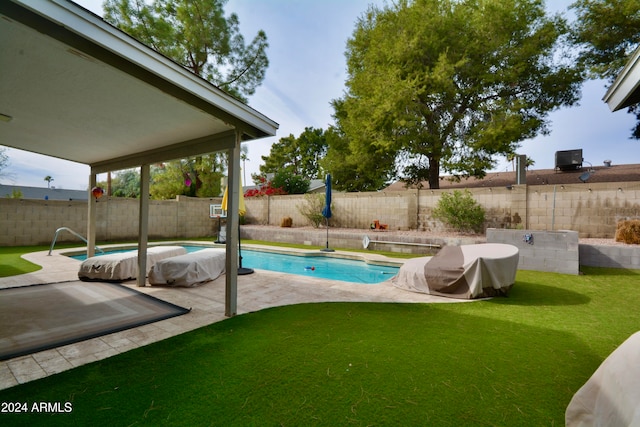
590, 209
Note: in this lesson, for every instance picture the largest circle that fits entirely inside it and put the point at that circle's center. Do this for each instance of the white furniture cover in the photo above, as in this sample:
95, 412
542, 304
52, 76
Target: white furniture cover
189, 270
468, 271
611, 397
124, 265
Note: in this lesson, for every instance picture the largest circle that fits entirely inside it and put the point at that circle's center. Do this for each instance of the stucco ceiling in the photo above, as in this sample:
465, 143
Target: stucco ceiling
76, 88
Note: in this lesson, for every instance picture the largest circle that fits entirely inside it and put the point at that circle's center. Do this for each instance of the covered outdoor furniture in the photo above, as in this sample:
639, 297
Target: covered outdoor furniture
188, 270
467, 272
610, 397
124, 265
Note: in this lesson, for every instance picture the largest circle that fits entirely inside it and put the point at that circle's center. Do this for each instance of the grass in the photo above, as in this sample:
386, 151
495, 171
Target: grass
504, 362
11, 263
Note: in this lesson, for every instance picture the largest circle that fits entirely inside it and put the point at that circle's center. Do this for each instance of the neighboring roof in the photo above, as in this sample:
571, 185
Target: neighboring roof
75, 87
614, 173
316, 186
42, 193
625, 90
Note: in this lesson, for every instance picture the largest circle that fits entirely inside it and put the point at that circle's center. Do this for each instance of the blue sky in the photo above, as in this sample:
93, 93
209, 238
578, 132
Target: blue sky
307, 70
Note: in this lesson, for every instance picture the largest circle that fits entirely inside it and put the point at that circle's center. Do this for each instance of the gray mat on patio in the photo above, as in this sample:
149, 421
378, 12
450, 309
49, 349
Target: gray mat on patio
39, 317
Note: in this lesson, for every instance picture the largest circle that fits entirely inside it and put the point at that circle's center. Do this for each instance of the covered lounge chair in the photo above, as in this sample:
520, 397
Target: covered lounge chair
466, 272
124, 266
188, 270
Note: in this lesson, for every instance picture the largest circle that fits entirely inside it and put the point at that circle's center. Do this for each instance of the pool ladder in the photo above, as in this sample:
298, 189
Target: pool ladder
55, 237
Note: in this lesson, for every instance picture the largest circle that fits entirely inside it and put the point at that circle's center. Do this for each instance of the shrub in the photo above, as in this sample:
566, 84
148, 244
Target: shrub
290, 182
460, 211
312, 208
265, 188
628, 231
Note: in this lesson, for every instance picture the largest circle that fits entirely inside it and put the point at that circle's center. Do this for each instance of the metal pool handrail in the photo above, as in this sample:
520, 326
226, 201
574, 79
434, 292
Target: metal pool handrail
55, 237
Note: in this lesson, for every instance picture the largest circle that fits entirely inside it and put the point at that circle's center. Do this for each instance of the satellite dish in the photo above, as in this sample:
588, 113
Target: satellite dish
365, 241
585, 176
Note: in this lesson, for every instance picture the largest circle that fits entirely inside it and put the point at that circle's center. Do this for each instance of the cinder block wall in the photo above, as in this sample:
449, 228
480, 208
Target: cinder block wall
34, 222
553, 251
592, 210
610, 256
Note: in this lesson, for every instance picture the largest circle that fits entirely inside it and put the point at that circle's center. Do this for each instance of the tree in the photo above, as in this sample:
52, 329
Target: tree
4, 161
355, 170
197, 35
446, 85
301, 155
48, 179
195, 177
290, 182
607, 31
126, 183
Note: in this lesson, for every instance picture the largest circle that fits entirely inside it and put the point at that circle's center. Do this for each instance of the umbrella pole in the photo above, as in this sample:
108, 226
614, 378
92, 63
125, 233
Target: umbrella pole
241, 270
327, 248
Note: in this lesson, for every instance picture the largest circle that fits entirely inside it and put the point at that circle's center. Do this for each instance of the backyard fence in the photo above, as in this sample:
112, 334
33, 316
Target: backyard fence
592, 210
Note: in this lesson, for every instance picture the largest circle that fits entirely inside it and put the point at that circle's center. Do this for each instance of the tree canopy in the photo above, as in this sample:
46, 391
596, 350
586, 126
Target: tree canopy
4, 160
608, 31
197, 35
446, 85
300, 156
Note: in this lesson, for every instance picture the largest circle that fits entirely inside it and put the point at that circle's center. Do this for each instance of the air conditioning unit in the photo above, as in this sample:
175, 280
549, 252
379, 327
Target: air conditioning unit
568, 160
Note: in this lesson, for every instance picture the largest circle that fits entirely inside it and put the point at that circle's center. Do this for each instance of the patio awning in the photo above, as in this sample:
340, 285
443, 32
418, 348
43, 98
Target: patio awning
74, 87
625, 90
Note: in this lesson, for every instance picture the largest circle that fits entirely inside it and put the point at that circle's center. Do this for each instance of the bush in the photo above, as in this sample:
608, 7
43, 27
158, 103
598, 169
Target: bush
460, 211
290, 182
312, 208
628, 232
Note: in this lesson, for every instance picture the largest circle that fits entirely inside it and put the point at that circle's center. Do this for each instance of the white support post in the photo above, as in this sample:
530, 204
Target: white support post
143, 225
91, 217
233, 167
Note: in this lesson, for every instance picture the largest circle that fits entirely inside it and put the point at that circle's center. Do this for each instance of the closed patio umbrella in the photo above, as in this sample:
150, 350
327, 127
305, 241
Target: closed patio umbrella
241, 211
326, 211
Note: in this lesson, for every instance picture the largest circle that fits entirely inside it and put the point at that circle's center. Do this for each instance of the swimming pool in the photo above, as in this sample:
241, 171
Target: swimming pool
319, 266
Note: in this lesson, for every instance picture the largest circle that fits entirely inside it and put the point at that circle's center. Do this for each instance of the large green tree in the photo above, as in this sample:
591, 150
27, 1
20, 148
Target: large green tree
352, 170
126, 183
300, 156
608, 31
446, 85
197, 35
195, 177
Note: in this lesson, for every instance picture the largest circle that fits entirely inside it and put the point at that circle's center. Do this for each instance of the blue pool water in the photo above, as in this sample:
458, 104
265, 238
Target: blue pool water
313, 266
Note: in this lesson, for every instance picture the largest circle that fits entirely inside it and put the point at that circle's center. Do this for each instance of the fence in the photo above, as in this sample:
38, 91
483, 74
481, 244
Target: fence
592, 210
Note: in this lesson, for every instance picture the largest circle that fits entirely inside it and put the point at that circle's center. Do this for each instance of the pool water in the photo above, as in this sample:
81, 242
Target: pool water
321, 267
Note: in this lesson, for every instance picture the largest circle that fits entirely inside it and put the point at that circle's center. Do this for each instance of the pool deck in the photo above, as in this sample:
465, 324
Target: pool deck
257, 291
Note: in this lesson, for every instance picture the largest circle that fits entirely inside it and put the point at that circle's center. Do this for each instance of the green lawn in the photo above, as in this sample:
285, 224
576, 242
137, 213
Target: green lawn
11, 263
512, 361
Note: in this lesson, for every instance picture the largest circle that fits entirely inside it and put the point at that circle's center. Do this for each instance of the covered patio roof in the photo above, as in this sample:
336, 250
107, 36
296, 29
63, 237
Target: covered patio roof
76, 88
625, 90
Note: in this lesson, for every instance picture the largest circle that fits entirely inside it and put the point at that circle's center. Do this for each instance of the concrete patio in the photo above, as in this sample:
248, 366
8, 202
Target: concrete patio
257, 291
